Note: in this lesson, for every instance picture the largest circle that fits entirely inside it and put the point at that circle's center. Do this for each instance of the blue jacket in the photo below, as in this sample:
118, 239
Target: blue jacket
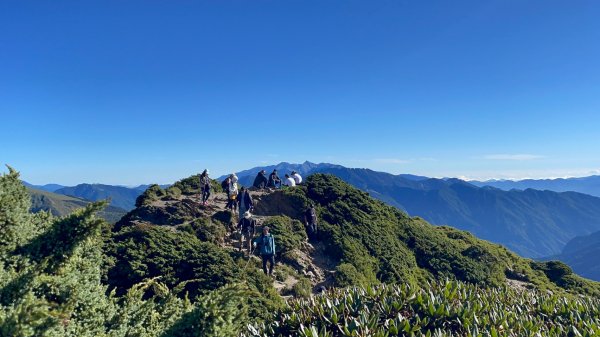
266, 244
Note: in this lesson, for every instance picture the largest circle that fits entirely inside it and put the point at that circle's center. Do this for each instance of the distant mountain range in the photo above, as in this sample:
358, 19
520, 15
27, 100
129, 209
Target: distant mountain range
582, 254
588, 185
532, 223
120, 196
47, 187
123, 197
307, 168
61, 205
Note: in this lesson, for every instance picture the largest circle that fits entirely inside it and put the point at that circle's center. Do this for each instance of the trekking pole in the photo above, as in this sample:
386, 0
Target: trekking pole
249, 258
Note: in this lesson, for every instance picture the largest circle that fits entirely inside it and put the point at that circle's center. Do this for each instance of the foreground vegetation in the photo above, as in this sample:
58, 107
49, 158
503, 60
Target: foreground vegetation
51, 282
79, 276
436, 309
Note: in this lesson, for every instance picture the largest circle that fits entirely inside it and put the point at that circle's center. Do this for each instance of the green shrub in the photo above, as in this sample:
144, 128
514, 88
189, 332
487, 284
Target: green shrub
173, 192
433, 309
206, 230
288, 233
302, 288
191, 185
152, 193
347, 275
50, 281
144, 252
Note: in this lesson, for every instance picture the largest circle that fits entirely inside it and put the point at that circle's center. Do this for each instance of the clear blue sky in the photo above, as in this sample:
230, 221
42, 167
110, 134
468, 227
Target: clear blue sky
129, 92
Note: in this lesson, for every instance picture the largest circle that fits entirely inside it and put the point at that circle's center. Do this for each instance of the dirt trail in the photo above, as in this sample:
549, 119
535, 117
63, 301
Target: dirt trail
311, 259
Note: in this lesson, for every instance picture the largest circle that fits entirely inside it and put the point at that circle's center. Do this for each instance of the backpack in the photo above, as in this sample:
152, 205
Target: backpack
267, 247
224, 185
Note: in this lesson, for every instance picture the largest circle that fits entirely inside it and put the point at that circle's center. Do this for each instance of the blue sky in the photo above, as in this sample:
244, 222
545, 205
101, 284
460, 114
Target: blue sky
129, 92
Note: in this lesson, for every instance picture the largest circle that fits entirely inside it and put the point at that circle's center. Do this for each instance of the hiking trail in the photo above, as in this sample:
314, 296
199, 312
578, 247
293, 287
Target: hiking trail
311, 259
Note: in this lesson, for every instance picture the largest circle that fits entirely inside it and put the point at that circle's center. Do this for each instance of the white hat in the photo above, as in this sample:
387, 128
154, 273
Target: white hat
247, 215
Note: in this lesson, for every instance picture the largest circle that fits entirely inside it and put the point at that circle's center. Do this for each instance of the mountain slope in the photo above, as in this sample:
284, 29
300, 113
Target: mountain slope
361, 240
587, 185
122, 197
532, 223
582, 254
62, 205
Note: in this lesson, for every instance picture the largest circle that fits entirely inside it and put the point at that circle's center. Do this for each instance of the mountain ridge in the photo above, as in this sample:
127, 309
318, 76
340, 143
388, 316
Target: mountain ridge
62, 205
526, 221
587, 185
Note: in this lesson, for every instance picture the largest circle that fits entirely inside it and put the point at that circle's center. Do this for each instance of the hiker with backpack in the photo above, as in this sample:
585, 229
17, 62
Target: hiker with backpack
246, 227
233, 192
274, 180
261, 181
225, 185
205, 187
310, 222
266, 243
297, 177
244, 201
289, 181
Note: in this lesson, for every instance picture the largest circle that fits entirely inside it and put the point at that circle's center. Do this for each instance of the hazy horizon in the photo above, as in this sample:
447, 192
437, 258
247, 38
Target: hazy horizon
219, 174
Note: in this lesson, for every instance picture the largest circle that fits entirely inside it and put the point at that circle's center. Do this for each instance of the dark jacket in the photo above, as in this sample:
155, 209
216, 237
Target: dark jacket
273, 177
204, 182
310, 216
246, 198
247, 225
266, 244
260, 181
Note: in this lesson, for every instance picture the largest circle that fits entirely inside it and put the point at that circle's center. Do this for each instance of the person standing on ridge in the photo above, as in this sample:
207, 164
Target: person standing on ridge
225, 185
232, 192
310, 221
289, 181
266, 242
274, 180
205, 187
261, 180
244, 201
297, 177
234, 178
246, 227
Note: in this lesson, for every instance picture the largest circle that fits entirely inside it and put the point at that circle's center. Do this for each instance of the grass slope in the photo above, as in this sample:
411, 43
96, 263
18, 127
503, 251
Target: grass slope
62, 205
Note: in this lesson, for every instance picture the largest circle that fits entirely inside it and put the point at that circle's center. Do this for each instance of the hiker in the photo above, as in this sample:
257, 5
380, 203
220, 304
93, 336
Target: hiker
297, 177
267, 249
246, 227
225, 184
261, 180
289, 181
310, 221
274, 180
232, 192
244, 201
205, 187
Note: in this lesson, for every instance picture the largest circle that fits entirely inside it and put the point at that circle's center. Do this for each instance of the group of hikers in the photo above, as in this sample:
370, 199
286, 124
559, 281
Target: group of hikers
273, 181
241, 201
